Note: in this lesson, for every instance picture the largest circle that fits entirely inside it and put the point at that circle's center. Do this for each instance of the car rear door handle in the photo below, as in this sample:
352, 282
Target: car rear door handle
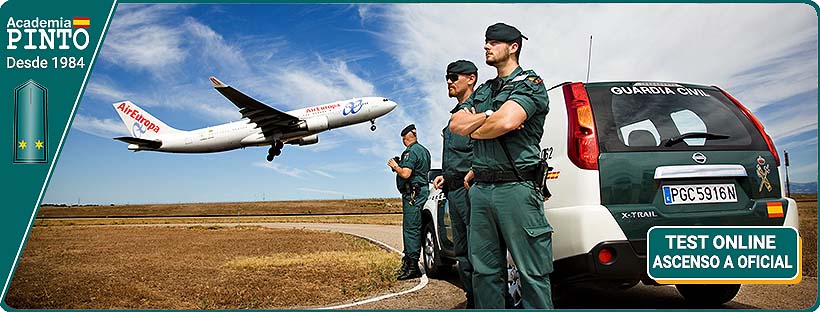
699, 171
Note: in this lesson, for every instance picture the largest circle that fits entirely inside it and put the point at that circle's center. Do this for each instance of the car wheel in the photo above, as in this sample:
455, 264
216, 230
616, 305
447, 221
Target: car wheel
431, 254
708, 295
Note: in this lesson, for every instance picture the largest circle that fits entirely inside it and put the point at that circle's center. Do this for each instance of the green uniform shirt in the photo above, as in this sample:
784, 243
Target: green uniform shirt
457, 153
526, 89
417, 158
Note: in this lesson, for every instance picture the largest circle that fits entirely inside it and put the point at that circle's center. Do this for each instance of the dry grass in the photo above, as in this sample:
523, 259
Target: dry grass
196, 268
383, 219
353, 206
808, 231
289, 259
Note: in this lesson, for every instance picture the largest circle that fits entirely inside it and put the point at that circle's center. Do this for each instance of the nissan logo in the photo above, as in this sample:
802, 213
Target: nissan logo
699, 158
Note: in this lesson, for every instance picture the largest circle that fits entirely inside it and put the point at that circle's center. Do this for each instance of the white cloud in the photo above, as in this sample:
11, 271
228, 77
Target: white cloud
804, 173
215, 51
324, 145
799, 144
105, 128
302, 82
736, 46
102, 89
797, 121
278, 167
749, 48
137, 38
367, 11
327, 192
280, 76
322, 173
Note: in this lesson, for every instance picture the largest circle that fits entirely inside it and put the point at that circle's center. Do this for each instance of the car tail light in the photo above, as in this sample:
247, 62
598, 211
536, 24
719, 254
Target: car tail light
757, 124
582, 142
606, 256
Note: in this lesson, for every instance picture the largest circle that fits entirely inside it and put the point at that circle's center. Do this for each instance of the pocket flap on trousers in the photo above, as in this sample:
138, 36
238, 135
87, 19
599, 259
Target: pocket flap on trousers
536, 231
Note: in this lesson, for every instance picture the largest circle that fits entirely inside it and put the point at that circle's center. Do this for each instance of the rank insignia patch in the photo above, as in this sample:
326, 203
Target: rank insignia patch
30, 123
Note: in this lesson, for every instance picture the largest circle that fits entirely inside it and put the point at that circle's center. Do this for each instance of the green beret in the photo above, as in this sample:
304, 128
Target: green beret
407, 129
462, 67
502, 32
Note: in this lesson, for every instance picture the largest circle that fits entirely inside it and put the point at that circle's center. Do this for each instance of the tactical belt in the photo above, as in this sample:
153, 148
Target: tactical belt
504, 176
408, 188
453, 183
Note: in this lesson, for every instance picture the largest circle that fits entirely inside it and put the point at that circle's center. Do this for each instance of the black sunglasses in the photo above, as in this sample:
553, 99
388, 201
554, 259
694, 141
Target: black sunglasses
452, 77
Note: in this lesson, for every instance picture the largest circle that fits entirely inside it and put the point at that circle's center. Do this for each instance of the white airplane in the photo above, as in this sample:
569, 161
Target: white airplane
261, 125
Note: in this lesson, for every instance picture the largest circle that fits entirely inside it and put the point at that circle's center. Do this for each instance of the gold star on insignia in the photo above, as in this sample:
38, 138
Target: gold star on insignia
38, 144
22, 144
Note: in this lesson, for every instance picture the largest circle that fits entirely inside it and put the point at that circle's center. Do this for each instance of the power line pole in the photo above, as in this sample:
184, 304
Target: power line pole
788, 187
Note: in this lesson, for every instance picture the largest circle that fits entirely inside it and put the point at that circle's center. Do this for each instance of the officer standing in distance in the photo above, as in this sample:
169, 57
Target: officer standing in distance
457, 157
411, 180
507, 212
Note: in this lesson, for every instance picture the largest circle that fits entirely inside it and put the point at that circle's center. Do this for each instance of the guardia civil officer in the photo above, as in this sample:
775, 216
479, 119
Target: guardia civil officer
505, 118
457, 157
411, 180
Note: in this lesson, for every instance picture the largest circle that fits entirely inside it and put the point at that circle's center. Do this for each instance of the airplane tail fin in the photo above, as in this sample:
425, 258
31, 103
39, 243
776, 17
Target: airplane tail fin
140, 123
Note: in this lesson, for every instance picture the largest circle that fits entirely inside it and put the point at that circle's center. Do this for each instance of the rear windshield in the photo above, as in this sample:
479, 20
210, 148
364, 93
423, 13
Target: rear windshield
654, 118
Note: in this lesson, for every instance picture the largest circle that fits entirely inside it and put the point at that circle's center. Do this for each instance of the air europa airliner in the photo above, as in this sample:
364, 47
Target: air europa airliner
261, 125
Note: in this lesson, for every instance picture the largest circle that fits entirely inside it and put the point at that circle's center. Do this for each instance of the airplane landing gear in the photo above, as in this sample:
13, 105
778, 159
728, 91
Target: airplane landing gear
373, 125
275, 150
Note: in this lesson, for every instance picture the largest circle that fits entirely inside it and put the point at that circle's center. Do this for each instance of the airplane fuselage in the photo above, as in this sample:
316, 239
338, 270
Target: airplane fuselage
244, 133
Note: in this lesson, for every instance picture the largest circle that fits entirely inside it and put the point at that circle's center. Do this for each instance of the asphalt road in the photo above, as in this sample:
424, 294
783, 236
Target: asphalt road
446, 294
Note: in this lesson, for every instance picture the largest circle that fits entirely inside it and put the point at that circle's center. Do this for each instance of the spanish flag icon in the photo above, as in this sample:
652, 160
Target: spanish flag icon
82, 22
775, 209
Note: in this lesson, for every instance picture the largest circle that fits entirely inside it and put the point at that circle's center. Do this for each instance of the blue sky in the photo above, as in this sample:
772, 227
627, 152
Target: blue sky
296, 55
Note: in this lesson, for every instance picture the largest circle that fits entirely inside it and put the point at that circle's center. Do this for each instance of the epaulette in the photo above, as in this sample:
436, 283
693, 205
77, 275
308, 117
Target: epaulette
528, 75
523, 75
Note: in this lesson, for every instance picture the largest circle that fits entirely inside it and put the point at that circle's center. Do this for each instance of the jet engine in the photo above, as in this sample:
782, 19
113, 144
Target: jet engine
315, 124
308, 140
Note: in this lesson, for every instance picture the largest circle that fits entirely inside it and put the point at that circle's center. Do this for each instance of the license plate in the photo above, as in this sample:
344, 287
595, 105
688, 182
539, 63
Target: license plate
699, 194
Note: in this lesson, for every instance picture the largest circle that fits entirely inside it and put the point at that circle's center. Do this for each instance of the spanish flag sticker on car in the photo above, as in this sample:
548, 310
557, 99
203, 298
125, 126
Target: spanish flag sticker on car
775, 209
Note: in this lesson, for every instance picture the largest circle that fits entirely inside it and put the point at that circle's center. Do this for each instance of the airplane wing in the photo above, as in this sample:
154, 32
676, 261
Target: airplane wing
265, 117
141, 142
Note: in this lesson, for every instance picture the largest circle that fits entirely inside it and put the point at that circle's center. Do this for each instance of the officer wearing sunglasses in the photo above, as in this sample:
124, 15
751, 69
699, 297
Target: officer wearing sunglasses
456, 160
505, 117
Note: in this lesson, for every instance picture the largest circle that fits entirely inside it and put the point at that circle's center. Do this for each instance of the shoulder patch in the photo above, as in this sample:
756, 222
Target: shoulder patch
535, 79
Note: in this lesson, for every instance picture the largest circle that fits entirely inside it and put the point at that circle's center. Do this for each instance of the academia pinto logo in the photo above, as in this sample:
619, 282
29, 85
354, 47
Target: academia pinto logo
69, 35
48, 34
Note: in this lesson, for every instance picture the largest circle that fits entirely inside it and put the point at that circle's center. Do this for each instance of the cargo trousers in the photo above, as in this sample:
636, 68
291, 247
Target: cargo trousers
509, 216
411, 223
459, 201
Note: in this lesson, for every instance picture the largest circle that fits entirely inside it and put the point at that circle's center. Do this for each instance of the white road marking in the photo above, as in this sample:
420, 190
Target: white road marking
422, 282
